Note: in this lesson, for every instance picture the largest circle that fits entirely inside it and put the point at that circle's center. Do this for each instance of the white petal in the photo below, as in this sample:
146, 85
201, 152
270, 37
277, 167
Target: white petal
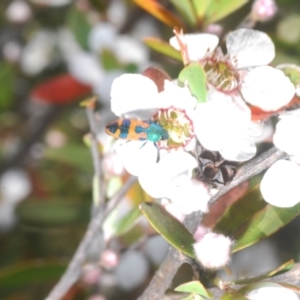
134, 92
153, 181
129, 50
178, 97
145, 27
295, 158
250, 47
103, 88
267, 88
287, 135
198, 45
18, 11
219, 122
256, 129
85, 67
102, 36
51, 2
280, 184
264, 132
38, 52
291, 113
272, 292
191, 196
15, 185
239, 150
172, 170
136, 156
67, 43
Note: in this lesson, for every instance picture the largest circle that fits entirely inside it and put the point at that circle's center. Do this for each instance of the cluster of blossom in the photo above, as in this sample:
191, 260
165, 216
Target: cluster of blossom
223, 123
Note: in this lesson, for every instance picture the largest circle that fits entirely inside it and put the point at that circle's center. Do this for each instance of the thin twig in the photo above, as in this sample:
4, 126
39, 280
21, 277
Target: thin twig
162, 279
72, 273
98, 182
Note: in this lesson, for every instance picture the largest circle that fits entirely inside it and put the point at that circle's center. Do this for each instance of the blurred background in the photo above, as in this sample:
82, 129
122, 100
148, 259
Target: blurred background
53, 54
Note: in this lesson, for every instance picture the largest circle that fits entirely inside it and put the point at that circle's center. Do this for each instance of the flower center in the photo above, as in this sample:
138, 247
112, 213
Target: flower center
221, 75
178, 125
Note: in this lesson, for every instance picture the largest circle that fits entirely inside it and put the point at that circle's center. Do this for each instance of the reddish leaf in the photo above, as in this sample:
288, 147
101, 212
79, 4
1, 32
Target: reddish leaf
260, 115
159, 12
219, 207
62, 89
158, 76
295, 102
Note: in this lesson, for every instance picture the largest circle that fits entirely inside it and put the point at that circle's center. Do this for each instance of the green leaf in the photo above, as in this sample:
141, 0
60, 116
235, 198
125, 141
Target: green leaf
77, 156
201, 7
195, 287
187, 11
127, 222
283, 268
117, 227
264, 223
235, 296
113, 185
169, 227
109, 61
52, 212
219, 9
7, 78
162, 47
195, 77
77, 22
241, 210
30, 272
292, 72
154, 8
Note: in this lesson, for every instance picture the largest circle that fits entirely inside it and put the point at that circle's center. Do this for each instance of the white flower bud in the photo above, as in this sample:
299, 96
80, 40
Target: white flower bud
213, 250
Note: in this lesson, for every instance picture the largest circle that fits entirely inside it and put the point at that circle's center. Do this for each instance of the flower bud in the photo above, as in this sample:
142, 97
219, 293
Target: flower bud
263, 10
213, 250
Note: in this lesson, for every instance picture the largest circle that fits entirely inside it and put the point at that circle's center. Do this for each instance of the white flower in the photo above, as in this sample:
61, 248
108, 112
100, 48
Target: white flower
38, 52
246, 48
272, 292
196, 46
213, 250
87, 67
243, 69
136, 96
172, 178
280, 184
223, 125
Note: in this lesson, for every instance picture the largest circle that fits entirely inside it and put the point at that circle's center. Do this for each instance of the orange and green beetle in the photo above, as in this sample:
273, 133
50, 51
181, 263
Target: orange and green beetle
137, 130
